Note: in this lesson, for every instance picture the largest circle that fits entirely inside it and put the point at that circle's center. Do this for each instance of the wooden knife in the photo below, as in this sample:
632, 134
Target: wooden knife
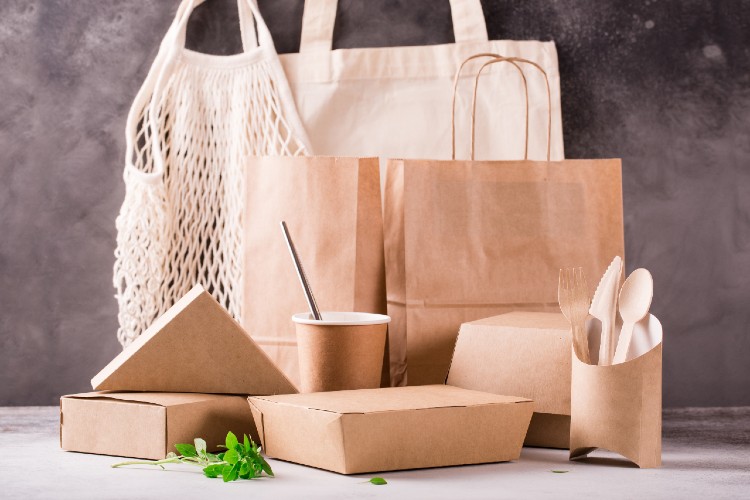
604, 307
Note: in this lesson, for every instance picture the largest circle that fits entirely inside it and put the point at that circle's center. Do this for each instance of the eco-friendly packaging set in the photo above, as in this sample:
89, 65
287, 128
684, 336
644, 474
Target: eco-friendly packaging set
149, 424
193, 349
197, 346
392, 428
525, 354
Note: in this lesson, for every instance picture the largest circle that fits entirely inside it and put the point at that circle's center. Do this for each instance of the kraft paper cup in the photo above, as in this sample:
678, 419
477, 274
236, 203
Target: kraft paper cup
618, 407
342, 351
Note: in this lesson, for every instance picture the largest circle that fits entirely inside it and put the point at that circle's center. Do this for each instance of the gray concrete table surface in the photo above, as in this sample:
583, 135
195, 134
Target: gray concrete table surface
706, 454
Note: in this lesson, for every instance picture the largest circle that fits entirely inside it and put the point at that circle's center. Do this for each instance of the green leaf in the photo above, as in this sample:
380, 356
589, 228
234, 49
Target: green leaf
241, 460
213, 470
264, 465
560, 471
225, 471
186, 450
232, 473
231, 440
231, 457
378, 481
244, 468
200, 445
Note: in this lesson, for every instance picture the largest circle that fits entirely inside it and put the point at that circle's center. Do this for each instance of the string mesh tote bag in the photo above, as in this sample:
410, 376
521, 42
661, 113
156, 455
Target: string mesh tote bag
194, 123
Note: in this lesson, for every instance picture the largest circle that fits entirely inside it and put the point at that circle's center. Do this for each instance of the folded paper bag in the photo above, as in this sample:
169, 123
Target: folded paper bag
392, 428
618, 407
521, 353
148, 424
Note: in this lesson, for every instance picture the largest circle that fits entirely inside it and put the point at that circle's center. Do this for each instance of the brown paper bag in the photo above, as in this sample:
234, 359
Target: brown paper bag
333, 209
466, 240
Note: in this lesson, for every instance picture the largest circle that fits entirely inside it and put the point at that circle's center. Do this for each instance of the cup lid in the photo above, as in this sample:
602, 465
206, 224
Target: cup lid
342, 318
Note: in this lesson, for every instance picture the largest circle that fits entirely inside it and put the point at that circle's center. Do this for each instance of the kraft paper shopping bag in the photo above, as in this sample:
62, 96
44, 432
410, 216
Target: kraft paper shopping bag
333, 208
469, 239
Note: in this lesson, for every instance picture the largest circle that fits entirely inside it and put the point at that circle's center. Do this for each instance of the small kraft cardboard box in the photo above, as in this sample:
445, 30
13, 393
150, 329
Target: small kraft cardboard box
523, 353
392, 428
148, 424
185, 369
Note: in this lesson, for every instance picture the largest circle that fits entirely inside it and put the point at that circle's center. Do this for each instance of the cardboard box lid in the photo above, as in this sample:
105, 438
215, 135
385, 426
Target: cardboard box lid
392, 428
154, 398
525, 319
366, 401
196, 346
148, 425
524, 353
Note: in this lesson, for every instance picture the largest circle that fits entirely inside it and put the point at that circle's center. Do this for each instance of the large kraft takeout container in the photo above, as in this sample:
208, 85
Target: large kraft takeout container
196, 346
149, 424
521, 353
392, 428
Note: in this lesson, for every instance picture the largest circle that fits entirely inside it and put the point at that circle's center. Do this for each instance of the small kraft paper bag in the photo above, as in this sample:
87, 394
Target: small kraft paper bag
466, 239
333, 209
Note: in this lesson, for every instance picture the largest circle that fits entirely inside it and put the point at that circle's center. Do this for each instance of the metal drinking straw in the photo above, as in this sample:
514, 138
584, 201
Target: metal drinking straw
301, 273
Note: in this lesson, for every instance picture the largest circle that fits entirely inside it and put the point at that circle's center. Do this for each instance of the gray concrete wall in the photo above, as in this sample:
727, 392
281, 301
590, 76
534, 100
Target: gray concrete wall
663, 84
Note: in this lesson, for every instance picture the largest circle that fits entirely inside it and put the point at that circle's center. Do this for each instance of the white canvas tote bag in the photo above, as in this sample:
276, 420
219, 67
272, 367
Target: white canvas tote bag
395, 102
194, 122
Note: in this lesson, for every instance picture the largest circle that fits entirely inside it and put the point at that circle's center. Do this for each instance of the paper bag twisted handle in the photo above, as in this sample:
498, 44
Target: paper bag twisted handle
455, 90
514, 60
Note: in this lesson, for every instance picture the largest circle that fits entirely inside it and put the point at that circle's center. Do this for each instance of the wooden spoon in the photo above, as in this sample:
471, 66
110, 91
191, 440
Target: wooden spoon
635, 301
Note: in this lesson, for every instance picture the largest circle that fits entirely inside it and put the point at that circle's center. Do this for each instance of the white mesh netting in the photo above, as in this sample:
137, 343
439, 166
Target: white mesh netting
184, 226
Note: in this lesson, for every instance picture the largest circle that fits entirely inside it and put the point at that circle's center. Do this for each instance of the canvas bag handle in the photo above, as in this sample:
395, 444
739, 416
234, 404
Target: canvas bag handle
319, 17
178, 35
249, 18
549, 102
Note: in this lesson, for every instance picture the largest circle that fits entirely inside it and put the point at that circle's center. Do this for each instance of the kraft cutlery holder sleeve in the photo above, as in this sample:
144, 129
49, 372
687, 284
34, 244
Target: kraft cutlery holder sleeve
618, 407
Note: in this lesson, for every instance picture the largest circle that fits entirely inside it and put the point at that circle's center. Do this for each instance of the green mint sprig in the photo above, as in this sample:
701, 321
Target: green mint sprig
240, 461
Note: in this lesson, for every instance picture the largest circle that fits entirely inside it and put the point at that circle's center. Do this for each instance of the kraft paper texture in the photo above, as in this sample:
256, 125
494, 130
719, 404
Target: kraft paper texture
333, 209
466, 240
196, 346
522, 353
618, 407
392, 428
149, 424
337, 357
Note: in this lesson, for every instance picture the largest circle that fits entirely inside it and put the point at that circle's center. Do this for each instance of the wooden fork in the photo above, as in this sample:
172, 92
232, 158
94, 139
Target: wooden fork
574, 300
